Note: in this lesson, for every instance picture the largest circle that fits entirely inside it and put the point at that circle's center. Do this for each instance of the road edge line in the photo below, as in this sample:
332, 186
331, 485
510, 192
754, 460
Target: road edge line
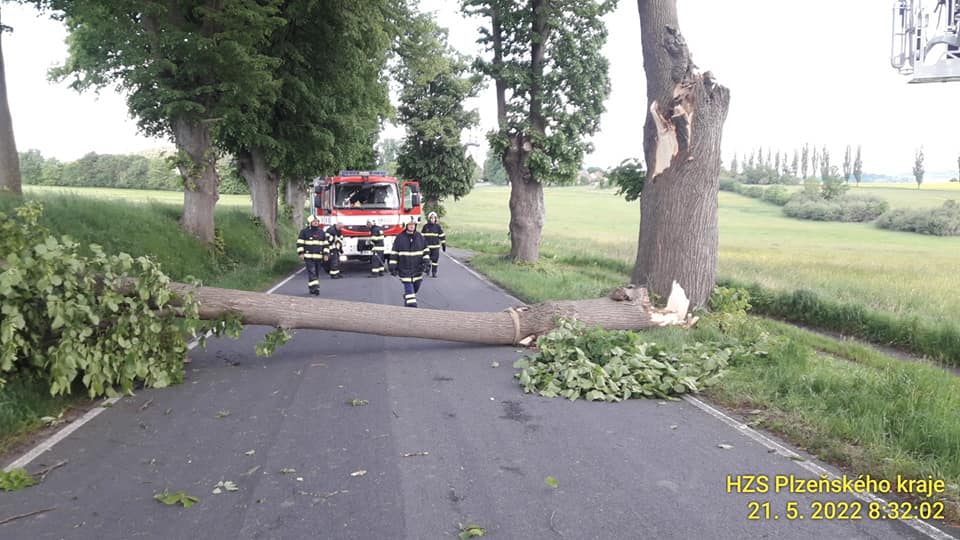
918, 525
484, 279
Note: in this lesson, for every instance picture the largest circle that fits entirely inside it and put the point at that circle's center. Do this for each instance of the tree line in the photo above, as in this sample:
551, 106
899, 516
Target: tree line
126, 171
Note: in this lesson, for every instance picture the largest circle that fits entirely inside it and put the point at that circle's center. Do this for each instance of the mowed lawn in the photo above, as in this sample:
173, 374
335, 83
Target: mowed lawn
901, 273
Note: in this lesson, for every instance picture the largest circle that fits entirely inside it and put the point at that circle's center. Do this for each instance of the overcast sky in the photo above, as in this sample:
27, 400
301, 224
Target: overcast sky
812, 72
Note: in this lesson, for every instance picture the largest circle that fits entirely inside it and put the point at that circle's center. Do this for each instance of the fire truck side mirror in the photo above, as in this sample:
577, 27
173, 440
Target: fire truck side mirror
317, 201
416, 200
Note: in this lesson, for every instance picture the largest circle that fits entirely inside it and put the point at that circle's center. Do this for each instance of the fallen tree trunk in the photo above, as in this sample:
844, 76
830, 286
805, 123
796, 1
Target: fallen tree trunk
627, 308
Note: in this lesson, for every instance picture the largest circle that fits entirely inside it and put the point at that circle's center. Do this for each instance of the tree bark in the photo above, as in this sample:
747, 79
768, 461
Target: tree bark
681, 142
526, 204
264, 184
197, 165
9, 158
627, 308
295, 195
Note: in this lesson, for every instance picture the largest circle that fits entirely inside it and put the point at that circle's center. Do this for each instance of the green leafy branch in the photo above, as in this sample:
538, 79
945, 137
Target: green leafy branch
576, 362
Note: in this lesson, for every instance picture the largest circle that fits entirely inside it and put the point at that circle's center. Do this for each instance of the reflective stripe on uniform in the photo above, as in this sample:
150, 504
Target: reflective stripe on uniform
313, 283
408, 253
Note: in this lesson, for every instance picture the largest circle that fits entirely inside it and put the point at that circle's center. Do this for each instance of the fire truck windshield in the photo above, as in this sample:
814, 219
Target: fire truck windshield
367, 195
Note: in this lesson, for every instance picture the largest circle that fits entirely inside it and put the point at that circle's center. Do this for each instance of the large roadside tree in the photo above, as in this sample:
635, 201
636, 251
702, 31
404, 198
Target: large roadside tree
9, 159
681, 144
330, 57
551, 81
184, 66
434, 83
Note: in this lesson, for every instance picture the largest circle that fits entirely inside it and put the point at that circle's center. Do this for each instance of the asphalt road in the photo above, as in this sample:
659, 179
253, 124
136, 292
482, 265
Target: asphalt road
446, 439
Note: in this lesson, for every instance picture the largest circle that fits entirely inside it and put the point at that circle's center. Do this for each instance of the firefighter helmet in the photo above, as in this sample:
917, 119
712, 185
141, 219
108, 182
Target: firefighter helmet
432, 215
312, 218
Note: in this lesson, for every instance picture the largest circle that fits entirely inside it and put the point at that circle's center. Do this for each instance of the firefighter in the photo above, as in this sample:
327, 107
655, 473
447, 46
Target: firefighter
376, 258
312, 249
335, 239
436, 239
409, 260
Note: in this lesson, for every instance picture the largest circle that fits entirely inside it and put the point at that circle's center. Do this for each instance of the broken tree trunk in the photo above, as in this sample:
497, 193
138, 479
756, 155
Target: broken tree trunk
679, 232
627, 308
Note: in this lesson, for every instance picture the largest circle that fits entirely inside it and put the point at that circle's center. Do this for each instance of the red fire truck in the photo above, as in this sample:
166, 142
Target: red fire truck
353, 197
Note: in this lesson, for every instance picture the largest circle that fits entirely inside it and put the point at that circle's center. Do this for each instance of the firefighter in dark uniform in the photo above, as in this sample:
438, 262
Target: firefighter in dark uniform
436, 239
335, 239
312, 249
409, 260
376, 258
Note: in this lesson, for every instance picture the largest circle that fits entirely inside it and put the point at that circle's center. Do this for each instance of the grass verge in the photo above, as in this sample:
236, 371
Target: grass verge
844, 402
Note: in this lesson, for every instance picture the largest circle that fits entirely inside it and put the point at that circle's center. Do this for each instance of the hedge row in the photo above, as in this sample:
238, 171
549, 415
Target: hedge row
943, 221
848, 208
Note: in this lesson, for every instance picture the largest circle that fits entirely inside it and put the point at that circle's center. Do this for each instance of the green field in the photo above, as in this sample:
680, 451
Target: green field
908, 196
132, 195
900, 273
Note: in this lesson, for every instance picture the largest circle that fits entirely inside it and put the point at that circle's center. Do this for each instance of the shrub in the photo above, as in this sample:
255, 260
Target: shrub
847, 208
777, 195
943, 221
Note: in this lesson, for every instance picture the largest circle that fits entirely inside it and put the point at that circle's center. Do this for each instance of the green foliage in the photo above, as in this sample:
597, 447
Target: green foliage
16, 479
387, 151
847, 208
778, 195
180, 497
629, 177
328, 59
189, 60
833, 187
471, 531
553, 106
155, 171
733, 300
434, 84
575, 362
493, 171
858, 166
65, 317
552, 482
943, 221
273, 339
918, 169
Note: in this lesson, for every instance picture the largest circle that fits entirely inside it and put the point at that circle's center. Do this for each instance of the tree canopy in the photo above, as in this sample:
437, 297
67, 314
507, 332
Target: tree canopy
434, 83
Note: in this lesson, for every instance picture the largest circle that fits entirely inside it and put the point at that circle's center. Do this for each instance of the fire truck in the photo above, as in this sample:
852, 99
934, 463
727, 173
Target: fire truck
353, 197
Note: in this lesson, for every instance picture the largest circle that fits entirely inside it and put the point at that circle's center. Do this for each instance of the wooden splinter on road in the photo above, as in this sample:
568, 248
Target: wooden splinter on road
626, 308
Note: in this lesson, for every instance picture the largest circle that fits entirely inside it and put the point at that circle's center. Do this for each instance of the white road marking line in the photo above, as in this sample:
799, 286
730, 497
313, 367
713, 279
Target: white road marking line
920, 526
25, 459
484, 279
49, 443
